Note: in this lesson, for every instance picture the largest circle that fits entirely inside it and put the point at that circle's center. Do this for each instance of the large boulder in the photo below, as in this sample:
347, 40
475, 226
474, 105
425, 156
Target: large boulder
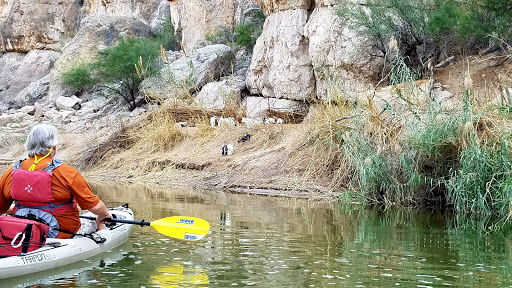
189, 73
221, 94
340, 56
29, 25
306, 52
24, 77
281, 66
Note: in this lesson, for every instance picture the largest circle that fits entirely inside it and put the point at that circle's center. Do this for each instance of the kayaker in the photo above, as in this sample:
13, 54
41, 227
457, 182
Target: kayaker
53, 189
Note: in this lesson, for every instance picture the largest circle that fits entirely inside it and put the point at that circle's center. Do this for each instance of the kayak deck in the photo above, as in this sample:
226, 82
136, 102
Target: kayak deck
60, 252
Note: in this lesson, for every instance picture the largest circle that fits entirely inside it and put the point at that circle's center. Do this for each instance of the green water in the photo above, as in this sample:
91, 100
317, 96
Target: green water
274, 242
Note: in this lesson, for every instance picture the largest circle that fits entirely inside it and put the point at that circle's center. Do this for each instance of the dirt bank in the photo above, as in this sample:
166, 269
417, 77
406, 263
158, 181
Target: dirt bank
274, 161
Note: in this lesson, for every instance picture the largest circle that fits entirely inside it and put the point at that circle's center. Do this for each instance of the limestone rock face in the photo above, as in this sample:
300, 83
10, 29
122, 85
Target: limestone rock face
339, 55
24, 77
281, 66
195, 18
306, 52
99, 31
273, 6
140, 9
29, 25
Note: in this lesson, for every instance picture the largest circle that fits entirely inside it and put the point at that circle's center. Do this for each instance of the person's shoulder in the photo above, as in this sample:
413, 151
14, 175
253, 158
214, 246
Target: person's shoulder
64, 167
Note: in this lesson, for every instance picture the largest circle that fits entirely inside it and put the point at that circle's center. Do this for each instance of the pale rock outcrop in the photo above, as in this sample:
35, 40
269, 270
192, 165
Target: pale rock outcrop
30, 110
218, 95
11, 118
29, 25
68, 103
306, 52
97, 32
161, 16
139, 9
340, 56
257, 107
196, 18
23, 77
33, 92
189, 73
273, 6
281, 66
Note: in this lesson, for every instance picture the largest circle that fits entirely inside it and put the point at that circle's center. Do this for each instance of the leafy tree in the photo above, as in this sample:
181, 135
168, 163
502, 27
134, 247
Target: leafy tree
116, 68
473, 20
427, 30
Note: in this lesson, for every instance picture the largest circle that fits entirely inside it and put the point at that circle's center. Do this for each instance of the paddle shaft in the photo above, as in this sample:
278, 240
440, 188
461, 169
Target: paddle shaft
113, 220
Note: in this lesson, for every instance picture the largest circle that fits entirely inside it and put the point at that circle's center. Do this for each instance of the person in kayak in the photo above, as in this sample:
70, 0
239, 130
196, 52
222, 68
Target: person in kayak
43, 186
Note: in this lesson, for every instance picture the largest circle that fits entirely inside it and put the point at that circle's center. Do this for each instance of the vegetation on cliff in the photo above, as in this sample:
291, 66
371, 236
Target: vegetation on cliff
426, 32
121, 68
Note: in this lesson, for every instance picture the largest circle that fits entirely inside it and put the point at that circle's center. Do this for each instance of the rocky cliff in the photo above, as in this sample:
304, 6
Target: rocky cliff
304, 50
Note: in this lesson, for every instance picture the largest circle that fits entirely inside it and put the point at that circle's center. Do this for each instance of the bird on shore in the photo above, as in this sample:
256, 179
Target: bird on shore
244, 138
227, 149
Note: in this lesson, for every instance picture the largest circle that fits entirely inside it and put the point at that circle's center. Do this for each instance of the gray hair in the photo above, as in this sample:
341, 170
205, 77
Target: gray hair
41, 138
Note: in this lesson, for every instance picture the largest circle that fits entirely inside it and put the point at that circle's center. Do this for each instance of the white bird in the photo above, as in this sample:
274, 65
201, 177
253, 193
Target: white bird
227, 149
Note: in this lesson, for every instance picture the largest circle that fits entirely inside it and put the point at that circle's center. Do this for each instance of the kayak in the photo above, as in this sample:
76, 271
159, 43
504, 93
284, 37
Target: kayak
60, 252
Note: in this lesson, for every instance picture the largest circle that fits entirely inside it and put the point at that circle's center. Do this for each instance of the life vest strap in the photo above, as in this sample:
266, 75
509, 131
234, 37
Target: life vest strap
51, 206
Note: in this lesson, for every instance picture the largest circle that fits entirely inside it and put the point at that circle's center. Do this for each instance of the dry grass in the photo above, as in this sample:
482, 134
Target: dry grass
159, 134
319, 155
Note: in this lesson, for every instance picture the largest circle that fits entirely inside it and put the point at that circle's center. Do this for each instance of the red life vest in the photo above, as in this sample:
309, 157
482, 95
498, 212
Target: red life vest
33, 189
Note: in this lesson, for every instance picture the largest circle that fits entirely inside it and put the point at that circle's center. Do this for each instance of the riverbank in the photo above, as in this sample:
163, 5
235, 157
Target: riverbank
401, 147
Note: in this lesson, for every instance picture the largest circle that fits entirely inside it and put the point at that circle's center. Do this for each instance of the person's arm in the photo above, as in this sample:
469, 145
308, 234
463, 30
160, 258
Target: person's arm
5, 190
101, 212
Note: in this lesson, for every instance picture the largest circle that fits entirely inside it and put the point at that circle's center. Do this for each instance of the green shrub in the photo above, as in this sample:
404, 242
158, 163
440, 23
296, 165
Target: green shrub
472, 20
221, 35
79, 78
116, 64
244, 35
167, 37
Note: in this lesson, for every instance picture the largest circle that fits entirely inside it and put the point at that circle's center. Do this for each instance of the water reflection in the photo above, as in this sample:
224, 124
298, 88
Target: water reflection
179, 275
275, 242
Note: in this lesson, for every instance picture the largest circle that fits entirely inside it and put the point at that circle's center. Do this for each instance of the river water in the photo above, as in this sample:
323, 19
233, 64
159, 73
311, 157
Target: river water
275, 242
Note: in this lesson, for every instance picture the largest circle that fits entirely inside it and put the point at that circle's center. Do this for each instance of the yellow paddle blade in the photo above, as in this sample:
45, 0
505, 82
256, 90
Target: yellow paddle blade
182, 227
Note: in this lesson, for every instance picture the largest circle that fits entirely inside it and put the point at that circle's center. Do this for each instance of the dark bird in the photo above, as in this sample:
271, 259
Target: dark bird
246, 137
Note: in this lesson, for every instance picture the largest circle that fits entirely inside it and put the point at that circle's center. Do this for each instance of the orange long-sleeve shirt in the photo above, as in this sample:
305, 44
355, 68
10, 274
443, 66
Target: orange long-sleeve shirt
66, 182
